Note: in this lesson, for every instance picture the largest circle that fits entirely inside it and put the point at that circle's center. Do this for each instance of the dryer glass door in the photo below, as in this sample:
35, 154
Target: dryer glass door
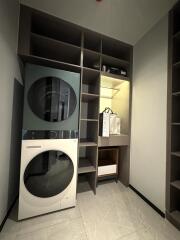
48, 174
52, 99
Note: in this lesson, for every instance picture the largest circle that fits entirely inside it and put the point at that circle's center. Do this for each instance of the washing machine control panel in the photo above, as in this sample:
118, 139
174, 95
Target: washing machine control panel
51, 134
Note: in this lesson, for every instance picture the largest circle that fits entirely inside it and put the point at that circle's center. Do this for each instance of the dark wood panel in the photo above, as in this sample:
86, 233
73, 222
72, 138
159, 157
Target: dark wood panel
124, 165
173, 120
50, 63
24, 31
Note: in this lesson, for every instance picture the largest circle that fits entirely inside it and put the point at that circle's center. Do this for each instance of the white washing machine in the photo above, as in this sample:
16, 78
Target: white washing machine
48, 176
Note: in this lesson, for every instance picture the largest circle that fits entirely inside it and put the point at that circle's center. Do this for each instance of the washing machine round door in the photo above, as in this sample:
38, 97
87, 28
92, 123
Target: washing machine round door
48, 174
52, 99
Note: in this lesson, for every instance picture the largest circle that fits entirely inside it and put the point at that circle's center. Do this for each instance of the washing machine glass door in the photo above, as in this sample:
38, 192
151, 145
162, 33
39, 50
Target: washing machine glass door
48, 174
52, 99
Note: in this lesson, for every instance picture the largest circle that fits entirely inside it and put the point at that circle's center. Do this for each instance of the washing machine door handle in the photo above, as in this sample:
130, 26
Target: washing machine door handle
34, 146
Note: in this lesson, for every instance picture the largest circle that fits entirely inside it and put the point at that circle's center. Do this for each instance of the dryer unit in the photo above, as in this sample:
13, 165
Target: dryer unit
48, 176
51, 99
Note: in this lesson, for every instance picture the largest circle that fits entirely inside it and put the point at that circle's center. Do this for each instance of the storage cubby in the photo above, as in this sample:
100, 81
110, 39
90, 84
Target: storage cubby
175, 203
54, 28
176, 23
175, 109
175, 139
90, 106
111, 62
90, 81
175, 171
86, 182
86, 133
176, 50
176, 82
116, 49
92, 41
91, 59
108, 161
52, 49
87, 160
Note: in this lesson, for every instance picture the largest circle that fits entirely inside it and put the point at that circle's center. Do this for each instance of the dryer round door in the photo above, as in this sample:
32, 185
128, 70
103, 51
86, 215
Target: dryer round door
52, 99
48, 174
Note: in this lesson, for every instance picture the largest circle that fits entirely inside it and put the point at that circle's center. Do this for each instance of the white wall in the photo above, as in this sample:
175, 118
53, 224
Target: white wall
148, 140
126, 20
9, 11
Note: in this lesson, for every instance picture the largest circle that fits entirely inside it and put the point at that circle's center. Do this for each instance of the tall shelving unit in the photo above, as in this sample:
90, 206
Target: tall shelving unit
50, 41
173, 140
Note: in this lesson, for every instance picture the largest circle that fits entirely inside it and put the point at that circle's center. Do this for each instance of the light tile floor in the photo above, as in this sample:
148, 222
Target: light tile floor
115, 213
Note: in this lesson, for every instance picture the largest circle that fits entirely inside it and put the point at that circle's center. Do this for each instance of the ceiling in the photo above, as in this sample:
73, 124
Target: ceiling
126, 20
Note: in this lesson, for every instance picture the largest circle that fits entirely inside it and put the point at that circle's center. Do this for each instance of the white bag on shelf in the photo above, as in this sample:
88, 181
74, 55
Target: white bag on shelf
104, 124
115, 124
110, 123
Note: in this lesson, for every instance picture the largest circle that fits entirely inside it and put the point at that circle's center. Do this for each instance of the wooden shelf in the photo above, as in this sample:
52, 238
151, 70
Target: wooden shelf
91, 69
113, 140
85, 166
176, 184
176, 124
177, 154
90, 51
176, 94
51, 63
89, 120
86, 143
89, 97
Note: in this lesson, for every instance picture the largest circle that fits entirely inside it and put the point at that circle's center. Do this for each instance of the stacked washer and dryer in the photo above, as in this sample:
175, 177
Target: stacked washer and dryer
48, 172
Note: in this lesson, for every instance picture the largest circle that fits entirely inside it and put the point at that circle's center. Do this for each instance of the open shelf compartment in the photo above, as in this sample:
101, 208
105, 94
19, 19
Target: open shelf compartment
108, 161
91, 81
87, 160
51, 49
116, 49
90, 107
88, 130
86, 182
52, 27
91, 59
92, 41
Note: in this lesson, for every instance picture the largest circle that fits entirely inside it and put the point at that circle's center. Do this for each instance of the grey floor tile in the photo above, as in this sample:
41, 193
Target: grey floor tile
114, 213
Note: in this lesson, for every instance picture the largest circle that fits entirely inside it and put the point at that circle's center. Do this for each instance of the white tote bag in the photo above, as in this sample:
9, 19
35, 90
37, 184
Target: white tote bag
115, 124
105, 124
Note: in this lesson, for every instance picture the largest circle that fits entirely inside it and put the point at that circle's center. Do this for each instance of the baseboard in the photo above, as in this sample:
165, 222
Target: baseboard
7, 215
148, 202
